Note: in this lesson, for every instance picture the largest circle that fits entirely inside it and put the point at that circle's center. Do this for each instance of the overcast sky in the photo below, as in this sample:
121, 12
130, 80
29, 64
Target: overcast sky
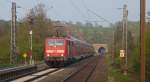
76, 10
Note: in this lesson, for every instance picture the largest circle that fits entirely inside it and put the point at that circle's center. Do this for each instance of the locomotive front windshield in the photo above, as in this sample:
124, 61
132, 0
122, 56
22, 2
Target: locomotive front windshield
52, 42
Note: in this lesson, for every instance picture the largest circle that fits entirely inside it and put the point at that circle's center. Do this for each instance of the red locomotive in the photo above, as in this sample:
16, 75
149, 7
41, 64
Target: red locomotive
63, 50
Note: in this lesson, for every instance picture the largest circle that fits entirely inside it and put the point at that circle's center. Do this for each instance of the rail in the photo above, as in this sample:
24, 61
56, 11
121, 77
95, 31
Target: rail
79, 70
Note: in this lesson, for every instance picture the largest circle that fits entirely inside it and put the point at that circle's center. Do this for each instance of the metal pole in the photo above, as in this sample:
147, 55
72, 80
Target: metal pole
14, 34
11, 39
126, 35
123, 28
25, 61
31, 46
30, 21
13, 56
123, 41
113, 45
142, 46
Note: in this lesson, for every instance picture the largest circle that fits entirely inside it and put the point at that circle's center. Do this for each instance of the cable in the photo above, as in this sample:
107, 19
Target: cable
8, 1
78, 9
55, 11
95, 13
99, 16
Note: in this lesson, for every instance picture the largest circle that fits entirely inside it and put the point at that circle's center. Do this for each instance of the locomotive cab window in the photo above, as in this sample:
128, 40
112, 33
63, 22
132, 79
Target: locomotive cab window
58, 42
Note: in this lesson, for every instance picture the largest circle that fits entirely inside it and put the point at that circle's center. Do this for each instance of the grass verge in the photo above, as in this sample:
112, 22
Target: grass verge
115, 74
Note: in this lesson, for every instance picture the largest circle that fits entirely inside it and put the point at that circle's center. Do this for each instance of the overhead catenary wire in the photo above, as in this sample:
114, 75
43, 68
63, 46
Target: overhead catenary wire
8, 1
84, 5
99, 16
91, 11
78, 9
56, 12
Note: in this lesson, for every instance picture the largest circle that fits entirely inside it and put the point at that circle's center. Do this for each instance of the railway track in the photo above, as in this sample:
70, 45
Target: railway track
35, 77
83, 74
64, 72
39, 76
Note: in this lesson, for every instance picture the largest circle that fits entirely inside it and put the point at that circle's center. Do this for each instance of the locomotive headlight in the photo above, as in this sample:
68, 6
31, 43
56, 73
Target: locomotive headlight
62, 54
48, 55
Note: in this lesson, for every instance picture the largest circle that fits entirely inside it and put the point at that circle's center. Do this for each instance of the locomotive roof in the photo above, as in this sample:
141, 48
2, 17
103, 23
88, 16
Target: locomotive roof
71, 38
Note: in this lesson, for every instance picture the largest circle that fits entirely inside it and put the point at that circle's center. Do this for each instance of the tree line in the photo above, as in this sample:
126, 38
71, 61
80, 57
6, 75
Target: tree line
43, 27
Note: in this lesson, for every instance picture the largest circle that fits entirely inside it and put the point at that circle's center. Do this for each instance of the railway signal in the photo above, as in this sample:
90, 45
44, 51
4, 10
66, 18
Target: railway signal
25, 57
122, 52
